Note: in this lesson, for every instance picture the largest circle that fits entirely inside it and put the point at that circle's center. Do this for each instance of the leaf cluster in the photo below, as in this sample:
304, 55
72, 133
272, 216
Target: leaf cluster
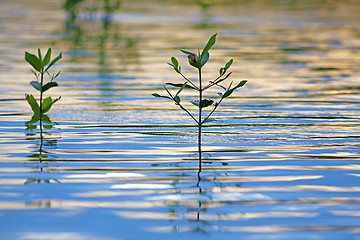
198, 61
41, 66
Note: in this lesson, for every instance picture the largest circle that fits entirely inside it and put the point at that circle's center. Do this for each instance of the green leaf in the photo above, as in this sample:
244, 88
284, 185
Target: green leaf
203, 103
242, 83
160, 96
176, 69
33, 103
206, 102
175, 62
48, 126
195, 102
46, 104
221, 71
205, 59
209, 45
47, 57
186, 51
54, 61
39, 54
180, 85
33, 61
49, 85
34, 119
228, 93
36, 85
176, 99
228, 64
209, 120
46, 119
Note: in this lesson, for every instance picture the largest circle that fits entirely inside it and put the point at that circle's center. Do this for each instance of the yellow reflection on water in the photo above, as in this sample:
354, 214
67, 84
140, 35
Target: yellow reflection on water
346, 213
106, 175
142, 186
64, 204
213, 217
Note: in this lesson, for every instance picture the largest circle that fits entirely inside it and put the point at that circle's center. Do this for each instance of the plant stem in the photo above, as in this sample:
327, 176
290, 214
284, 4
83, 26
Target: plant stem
199, 121
41, 92
189, 81
41, 97
187, 112
213, 110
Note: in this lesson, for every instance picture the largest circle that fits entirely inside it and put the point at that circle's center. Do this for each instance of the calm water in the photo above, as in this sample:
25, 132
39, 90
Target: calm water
281, 159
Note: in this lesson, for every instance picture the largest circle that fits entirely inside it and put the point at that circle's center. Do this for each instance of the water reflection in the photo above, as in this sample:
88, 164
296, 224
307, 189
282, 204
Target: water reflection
45, 140
206, 12
90, 23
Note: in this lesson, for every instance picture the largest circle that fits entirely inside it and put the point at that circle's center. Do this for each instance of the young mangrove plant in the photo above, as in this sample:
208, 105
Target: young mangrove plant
40, 69
198, 61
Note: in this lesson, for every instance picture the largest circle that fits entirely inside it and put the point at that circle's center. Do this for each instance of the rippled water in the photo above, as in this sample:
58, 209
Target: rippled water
281, 159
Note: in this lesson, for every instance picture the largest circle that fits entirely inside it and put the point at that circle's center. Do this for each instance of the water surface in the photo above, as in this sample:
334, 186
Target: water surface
281, 159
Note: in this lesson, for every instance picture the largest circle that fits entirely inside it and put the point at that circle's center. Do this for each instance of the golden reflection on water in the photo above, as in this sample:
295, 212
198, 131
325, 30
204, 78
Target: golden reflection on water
217, 217
282, 156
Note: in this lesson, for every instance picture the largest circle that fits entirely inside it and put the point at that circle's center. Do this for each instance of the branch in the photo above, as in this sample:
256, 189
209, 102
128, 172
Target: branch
187, 112
216, 105
189, 81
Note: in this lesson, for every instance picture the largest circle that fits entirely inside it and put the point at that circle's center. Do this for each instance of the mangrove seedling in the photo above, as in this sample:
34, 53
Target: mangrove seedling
40, 69
198, 61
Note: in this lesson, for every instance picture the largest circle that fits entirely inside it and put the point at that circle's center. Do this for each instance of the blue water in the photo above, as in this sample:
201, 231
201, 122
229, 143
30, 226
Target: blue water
280, 161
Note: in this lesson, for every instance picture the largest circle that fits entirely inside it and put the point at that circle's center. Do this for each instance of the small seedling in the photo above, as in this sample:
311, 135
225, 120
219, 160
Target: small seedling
41, 68
198, 61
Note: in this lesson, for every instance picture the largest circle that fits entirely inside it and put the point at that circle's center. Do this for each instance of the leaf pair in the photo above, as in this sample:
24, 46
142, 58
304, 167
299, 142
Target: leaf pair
45, 106
200, 59
38, 63
47, 86
203, 103
229, 91
227, 66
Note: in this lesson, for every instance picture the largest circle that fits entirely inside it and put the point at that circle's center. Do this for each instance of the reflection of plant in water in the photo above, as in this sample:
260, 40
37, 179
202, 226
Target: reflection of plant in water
205, 6
91, 23
198, 61
45, 140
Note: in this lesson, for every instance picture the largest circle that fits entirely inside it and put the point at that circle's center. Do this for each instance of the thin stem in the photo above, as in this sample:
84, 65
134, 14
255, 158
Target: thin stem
41, 101
212, 111
199, 121
212, 83
189, 81
178, 103
187, 112
41, 92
